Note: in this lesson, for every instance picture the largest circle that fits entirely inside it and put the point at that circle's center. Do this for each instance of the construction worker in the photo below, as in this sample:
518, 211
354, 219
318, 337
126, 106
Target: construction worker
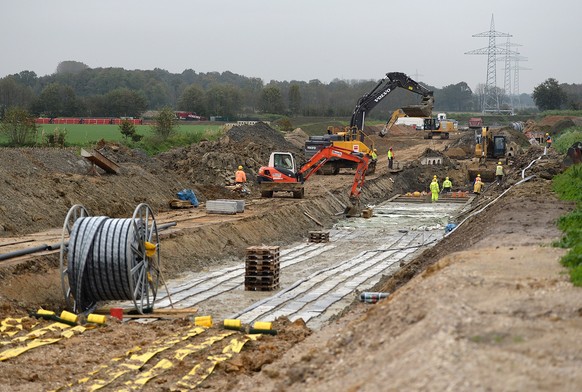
548, 140
478, 186
240, 176
374, 154
434, 189
447, 185
499, 172
390, 158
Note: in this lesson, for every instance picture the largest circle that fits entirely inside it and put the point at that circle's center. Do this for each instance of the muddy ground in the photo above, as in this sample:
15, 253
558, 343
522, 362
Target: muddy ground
488, 308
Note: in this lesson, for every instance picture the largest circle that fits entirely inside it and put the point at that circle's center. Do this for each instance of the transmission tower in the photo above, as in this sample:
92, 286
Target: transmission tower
508, 88
417, 75
491, 95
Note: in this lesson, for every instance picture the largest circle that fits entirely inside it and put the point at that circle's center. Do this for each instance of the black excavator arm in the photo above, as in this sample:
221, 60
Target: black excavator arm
384, 87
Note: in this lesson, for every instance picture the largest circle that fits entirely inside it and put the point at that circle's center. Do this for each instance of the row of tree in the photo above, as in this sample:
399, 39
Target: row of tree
77, 90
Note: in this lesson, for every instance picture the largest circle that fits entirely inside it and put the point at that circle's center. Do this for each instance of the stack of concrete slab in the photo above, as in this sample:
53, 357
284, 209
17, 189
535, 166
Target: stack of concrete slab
224, 206
262, 268
240, 204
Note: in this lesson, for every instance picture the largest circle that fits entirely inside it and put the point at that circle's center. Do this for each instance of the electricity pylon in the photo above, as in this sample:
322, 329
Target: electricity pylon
491, 97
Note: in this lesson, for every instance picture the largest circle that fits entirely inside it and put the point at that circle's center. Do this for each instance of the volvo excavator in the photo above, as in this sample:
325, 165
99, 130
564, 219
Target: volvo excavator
353, 137
281, 174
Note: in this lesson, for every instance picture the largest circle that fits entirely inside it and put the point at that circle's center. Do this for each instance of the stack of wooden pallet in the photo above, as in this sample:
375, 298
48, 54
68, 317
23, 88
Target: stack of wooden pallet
319, 236
262, 268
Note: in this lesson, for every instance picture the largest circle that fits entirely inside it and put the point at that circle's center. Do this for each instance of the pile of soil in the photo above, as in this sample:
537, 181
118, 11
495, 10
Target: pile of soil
215, 162
297, 138
41, 184
546, 166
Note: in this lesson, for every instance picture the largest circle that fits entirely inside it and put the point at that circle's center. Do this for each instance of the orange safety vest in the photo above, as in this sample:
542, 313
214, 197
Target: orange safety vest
240, 176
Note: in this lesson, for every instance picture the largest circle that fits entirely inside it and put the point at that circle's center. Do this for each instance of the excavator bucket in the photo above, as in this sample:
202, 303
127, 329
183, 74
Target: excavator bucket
422, 110
485, 170
353, 210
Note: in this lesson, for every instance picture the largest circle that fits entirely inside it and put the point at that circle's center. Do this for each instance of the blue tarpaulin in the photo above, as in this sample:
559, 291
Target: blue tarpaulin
188, 194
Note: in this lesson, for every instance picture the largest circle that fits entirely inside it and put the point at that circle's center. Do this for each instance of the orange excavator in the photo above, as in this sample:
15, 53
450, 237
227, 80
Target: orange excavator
282, 176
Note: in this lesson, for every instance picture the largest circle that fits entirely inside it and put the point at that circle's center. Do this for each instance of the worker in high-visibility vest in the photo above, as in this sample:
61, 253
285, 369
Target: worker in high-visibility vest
447, 185
478, 186
390, 158
499, 173
434, 189
240, 176
374, 154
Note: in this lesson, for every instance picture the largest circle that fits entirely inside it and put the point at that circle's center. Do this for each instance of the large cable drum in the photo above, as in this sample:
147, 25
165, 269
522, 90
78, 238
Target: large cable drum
110, 259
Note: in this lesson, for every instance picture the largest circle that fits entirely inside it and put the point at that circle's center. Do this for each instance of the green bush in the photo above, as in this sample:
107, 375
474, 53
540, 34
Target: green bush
568, 185
567, 138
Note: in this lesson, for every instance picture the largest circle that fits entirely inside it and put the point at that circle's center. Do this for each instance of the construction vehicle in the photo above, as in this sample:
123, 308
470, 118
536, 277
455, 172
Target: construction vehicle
434, 126
353, 136
488, 150
281, 174
475, 123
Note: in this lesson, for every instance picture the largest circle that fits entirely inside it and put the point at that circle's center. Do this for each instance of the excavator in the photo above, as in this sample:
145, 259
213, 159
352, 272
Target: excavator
281, 174
489, 149
353, 136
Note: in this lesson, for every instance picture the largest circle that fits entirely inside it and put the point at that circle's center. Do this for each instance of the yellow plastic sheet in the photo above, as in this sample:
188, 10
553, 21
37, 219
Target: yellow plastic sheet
136, 360
11, 326
166, 364
200, 372
38, 342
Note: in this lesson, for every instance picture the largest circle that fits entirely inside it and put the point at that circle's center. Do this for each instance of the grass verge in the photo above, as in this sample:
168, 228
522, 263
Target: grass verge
568, 186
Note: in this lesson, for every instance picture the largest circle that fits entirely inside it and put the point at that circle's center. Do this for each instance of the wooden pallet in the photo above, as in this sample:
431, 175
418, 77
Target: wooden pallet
262, 280
263, 266
262, 259
252, 274
263, 250
319, 236
254, 287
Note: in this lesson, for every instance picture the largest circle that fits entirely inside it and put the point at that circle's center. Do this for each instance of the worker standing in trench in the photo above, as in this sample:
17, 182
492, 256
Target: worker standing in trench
447, 185
499, 173
434, 189
478, 186
390, 158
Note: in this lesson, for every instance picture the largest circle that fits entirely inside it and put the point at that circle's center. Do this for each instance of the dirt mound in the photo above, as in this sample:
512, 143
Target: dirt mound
297, 138
41, 184
216, 162
545, 167
558, 122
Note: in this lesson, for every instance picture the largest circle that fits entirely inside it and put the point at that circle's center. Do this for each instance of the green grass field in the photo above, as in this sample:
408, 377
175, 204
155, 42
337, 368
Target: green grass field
84, 134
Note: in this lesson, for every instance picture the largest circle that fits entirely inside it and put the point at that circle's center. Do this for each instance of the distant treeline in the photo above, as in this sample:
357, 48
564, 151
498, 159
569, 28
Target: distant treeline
75, 90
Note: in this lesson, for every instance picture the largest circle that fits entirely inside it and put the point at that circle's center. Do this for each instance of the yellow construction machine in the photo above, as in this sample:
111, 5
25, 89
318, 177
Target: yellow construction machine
353, 137
489, 149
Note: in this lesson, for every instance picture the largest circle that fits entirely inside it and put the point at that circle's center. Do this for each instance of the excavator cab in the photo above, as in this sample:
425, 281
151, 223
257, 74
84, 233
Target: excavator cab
283, 162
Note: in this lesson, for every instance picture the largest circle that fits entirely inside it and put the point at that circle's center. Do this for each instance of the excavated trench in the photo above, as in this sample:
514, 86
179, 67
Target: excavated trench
317, 279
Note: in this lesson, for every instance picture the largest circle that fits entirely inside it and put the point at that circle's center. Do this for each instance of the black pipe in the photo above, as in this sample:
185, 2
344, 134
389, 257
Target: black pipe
43, 247
166, 225
23, 252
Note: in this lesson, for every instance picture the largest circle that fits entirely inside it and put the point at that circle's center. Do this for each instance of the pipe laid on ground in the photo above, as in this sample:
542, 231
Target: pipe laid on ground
23, 252
57, 246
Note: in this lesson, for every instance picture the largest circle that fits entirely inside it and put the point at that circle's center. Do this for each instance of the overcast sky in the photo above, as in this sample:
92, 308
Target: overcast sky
295, 39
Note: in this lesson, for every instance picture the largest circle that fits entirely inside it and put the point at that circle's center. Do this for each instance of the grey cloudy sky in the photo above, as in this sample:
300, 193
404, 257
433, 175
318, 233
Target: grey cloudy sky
294, 39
